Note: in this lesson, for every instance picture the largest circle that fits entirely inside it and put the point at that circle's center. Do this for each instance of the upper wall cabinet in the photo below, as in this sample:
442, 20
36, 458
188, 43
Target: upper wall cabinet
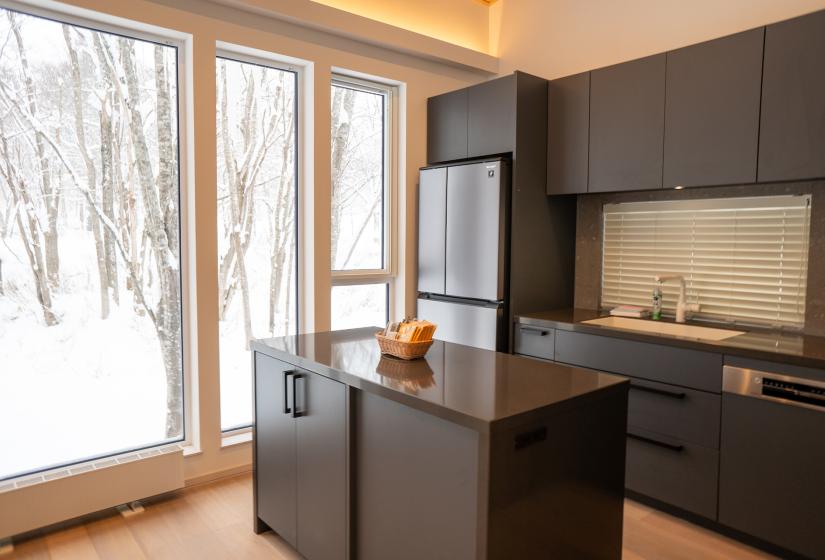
491, 119
627, 112
568, 122
792, 137
712, 111
447, 126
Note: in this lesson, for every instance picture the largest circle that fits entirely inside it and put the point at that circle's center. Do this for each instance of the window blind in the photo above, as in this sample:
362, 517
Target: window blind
743, 259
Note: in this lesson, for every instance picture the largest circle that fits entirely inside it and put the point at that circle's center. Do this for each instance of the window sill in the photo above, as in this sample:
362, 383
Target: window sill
237, 437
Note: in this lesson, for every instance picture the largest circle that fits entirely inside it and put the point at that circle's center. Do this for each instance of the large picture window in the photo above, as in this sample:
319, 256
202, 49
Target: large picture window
90, 263
361, 240
257, 241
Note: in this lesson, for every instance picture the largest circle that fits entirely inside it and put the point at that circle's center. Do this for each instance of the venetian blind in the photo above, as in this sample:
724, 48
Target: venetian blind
743, 259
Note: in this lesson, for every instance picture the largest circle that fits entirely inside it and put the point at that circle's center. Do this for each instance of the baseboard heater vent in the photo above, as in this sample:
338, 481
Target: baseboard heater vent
50, 497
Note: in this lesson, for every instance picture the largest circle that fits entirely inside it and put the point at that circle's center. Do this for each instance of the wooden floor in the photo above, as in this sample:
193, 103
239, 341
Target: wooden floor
215, 521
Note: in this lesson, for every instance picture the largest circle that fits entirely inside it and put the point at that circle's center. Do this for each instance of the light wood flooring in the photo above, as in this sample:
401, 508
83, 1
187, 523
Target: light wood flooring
214, 521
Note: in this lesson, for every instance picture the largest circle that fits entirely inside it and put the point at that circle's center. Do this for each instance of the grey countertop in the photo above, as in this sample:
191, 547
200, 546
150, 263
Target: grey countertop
480, 389
776, 346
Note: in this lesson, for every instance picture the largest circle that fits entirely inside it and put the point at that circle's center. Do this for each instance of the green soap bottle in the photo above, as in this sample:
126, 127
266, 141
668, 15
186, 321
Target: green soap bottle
657, 303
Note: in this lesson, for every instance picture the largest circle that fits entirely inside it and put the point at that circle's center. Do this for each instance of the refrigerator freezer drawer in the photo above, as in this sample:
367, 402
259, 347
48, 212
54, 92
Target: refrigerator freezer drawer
472, 325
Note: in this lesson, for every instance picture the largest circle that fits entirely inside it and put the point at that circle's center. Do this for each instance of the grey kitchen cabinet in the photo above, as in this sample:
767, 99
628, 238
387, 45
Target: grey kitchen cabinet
693, 369
491, 117
673, 471
301, 458
275, 466
536, 342
712, 111
673, 415
627, 112
792, 133
568, 134
447, 126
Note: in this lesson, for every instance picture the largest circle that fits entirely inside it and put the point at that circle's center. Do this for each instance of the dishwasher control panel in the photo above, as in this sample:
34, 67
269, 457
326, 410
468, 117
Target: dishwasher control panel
776, 387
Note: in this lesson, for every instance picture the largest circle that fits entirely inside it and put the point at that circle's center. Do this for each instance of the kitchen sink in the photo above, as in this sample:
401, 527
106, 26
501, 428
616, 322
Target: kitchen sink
657, 327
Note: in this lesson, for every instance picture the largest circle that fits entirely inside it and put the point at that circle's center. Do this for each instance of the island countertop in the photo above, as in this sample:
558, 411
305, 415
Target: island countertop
480, 389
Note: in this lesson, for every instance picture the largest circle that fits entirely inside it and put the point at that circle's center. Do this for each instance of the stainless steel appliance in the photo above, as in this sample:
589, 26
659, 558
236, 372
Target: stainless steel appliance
463, 225
772, 457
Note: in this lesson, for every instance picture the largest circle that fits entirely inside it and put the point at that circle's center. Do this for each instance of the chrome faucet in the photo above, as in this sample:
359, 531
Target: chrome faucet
682, 306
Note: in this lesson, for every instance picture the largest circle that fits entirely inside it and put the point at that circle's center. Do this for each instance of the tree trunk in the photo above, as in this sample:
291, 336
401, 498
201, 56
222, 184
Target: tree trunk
91, 172
343, 101
107, 189
168, 325
30, 233
51, 195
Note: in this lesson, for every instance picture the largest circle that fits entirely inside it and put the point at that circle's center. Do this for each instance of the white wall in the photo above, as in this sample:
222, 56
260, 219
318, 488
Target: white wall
554, 38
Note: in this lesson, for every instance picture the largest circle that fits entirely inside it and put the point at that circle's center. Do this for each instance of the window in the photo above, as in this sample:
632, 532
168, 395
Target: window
90, 263
743, 259
362, 305
257, 239
361, 237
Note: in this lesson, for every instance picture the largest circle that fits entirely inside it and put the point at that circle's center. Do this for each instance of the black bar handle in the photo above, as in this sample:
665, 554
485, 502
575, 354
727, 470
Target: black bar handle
287, 410
657, 442
295, 413
537, 330
657, 391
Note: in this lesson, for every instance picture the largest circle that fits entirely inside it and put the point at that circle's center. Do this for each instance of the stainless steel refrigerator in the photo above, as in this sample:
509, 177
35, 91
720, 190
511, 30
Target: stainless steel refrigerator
463, 241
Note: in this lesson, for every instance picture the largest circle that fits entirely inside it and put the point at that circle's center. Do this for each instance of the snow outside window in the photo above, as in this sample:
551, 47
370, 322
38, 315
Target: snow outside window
361, 133
257, 272
90, 259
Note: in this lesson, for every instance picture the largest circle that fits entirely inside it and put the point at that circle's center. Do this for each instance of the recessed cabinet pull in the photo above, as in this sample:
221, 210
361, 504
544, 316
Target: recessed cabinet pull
656, 442
295, 378
287, 410
657, 391
534, 330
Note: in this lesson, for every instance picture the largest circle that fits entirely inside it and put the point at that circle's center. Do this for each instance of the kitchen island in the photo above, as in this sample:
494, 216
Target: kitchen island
464, 454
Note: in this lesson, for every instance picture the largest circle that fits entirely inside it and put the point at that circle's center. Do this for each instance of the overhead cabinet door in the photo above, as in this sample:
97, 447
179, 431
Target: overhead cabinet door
491, 119
627, 111
447, 126
712, 111
792, 134
568, 122
475, 229
432, 229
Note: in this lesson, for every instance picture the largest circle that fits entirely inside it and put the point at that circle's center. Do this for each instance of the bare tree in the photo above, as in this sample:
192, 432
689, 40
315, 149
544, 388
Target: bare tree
51, 195
167, 314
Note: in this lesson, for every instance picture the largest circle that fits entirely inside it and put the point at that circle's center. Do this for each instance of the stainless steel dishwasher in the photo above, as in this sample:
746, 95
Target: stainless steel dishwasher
772, 458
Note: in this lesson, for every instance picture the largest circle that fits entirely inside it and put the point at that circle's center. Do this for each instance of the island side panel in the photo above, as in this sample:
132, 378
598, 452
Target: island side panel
416, 485
557, 483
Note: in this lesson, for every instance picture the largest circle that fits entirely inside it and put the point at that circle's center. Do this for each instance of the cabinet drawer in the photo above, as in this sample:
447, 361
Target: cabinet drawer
677, 412
679, 473
534, 341
656, 362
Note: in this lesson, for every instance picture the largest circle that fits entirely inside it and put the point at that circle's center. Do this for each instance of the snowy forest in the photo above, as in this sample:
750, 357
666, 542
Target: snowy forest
90, 242
90, 292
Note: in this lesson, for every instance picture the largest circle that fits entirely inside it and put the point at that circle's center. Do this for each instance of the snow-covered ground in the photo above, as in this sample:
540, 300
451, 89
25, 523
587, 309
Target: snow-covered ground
84, 387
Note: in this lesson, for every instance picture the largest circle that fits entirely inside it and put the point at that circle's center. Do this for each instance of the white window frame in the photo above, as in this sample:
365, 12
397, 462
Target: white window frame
386, 274
132, 29
242, 434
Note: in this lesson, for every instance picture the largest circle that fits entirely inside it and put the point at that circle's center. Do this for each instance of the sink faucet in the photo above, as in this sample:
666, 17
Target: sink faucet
682, 306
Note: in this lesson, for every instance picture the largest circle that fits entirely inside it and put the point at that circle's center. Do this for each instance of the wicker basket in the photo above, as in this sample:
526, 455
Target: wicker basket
403, 350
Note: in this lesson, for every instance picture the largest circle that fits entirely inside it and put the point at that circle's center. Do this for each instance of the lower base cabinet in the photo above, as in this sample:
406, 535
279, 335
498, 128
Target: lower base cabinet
301, 458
